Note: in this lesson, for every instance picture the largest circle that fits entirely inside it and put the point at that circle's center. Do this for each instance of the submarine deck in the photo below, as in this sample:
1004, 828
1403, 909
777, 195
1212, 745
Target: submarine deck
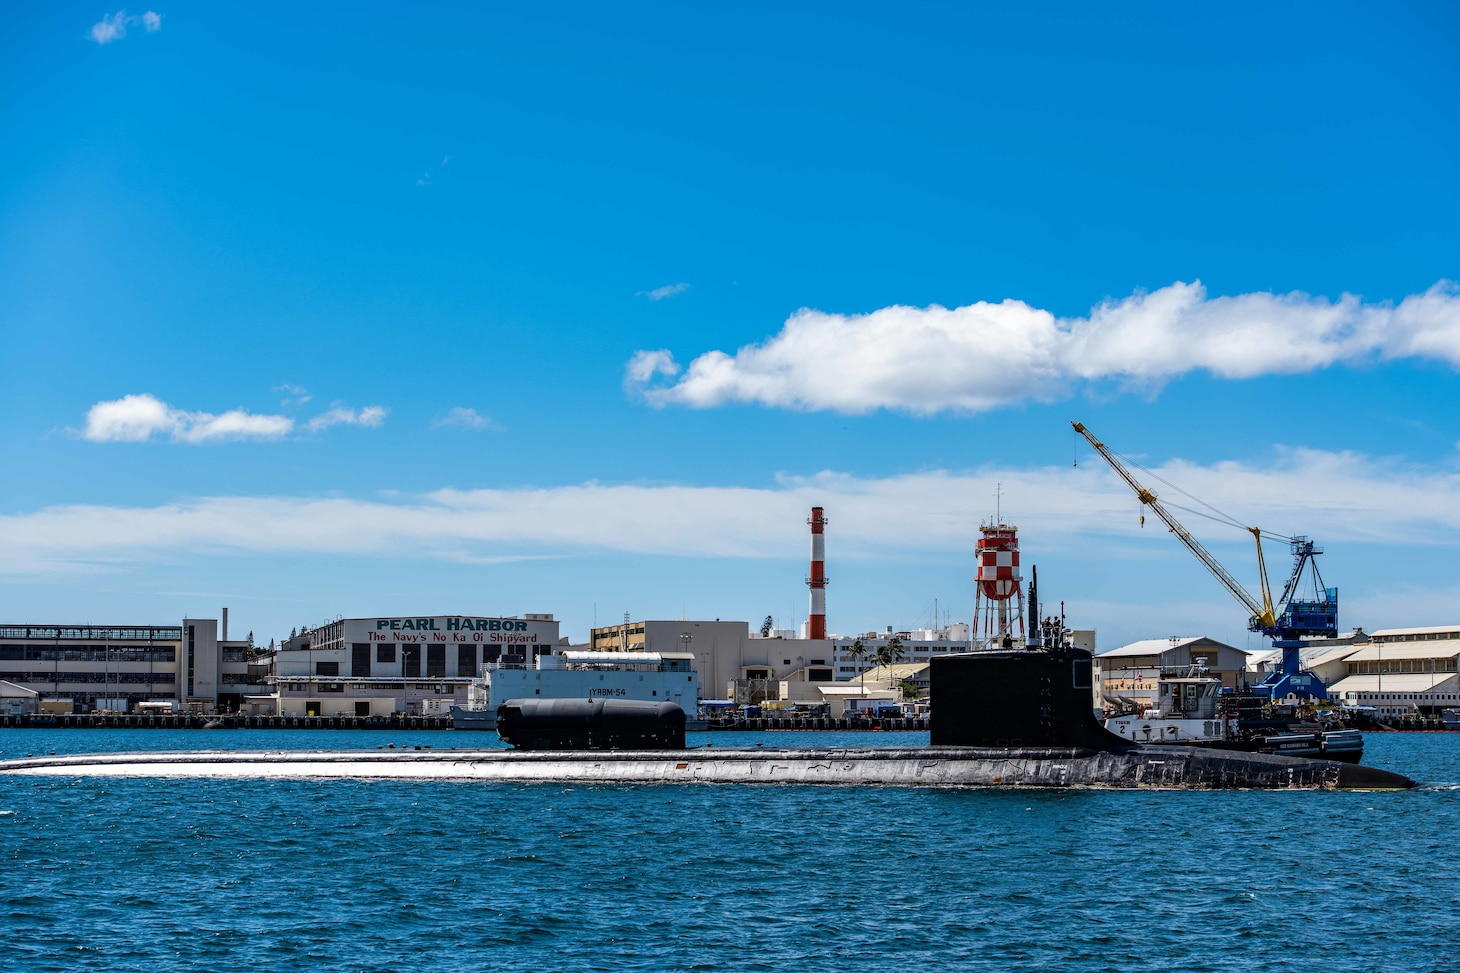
1047, 767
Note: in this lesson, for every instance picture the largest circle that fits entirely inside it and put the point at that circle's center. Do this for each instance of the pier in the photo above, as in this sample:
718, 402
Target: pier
758, 723
193, 721
403, 721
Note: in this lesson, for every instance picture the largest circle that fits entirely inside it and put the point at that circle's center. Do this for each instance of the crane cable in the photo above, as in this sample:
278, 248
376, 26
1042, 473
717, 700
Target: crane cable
1217, 515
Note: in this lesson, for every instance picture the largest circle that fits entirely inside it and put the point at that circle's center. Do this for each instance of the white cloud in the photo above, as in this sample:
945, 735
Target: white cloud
137, 418
293, 394
113, 27
372, 416
984, 356
1084, 513
425, 179
200, 427
465, 418
660, 293
645, 365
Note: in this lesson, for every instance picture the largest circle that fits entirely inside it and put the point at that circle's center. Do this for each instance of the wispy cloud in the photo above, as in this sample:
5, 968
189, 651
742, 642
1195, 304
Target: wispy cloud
293, 394
1334, 496
137, 418
464, 418
645, 365
424, 180
371, 416
985, 356
113, 27
660, 293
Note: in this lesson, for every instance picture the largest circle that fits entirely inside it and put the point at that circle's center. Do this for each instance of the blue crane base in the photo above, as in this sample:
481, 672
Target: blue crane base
1289, 679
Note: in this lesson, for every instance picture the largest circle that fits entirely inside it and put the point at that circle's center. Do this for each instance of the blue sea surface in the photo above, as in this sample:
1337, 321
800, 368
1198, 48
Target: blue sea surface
138, 874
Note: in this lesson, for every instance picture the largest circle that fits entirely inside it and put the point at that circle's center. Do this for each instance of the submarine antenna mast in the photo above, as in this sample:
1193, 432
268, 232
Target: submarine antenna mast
1034, 641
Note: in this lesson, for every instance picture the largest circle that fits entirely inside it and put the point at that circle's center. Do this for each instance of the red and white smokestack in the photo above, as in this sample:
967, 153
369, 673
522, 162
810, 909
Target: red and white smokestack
816, 624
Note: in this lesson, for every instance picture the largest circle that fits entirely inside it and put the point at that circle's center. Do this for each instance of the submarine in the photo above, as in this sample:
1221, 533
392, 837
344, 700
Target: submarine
1020, 717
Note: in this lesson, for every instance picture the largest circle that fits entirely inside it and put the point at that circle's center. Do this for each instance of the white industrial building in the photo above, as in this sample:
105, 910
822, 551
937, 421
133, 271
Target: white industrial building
379, 666
17, 700
727, 657
1402, 671
918, 645
85, 667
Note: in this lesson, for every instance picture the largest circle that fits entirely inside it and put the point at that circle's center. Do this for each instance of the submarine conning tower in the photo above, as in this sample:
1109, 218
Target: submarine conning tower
1016, 698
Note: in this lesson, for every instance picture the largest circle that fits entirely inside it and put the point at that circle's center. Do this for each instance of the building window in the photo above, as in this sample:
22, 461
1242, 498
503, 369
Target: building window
359, 660
326, 668
385, 653
466, 660
435, 661
410, 659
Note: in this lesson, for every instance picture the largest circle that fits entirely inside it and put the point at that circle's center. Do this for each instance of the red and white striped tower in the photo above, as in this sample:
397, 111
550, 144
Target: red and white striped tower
816, 623
998, 587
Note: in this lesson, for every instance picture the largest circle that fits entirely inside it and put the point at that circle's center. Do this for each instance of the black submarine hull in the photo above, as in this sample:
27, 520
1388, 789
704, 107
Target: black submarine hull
1161, 768
1001, 719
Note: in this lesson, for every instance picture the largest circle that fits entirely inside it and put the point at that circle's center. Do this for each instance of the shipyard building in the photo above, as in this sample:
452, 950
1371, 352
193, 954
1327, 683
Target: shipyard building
191, 665
379, 666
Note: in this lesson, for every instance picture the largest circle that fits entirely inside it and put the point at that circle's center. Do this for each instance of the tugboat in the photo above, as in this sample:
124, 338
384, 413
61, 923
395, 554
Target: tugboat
1191, 710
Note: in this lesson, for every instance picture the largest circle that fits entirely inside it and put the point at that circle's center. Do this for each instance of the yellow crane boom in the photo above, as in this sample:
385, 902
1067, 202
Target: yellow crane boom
1262, 613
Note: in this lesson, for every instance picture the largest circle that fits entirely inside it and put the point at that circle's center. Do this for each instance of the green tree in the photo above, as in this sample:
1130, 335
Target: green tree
896, 654
858, 651
250, 639
890, 654
909, 690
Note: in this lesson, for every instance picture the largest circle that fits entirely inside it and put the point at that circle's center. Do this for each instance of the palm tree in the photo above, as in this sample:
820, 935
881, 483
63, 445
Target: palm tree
858, 652
883, 656
895, 652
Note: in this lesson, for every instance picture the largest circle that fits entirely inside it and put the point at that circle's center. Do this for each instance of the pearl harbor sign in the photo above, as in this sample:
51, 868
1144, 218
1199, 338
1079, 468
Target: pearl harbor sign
454, 630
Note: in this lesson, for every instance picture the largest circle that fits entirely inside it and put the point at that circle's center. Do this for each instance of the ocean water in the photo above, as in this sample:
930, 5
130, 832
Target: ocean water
288, 875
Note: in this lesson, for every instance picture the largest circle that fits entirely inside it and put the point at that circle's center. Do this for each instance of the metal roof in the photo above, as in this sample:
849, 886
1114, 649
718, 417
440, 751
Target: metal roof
903, 670
1397, 682
1422, 630
844, 689
1308, 656
1375, 651
1157, 646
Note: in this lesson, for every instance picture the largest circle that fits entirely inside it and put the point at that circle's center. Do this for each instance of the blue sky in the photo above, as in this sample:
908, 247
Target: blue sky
400, 309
